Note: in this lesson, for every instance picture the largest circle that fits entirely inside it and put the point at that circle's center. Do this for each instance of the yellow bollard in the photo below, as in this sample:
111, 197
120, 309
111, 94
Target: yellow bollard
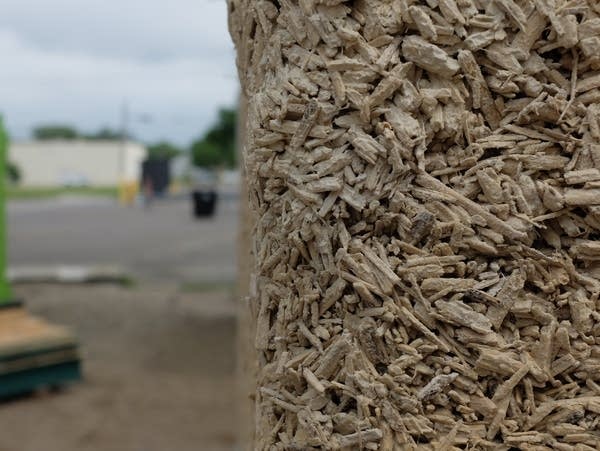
128, 191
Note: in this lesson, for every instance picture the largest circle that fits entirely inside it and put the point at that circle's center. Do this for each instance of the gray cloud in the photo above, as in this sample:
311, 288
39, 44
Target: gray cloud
76, 61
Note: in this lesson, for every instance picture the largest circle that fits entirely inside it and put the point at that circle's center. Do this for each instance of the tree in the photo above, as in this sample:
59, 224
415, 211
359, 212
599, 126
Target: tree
163, 151
48, 132
13, 172
217, 146
105, 134
206, 155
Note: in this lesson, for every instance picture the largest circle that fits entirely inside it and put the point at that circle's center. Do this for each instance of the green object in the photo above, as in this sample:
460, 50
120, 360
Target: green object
217, 146
5, 291
163, 150
58, 131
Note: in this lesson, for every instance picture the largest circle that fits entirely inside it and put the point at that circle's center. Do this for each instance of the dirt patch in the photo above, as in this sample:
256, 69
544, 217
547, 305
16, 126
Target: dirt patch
159, 372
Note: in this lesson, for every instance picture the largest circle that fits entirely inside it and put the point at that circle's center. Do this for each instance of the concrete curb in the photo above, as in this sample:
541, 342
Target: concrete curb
68, 274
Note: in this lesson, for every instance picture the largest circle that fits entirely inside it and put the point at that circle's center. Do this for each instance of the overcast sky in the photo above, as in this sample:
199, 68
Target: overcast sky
77, 61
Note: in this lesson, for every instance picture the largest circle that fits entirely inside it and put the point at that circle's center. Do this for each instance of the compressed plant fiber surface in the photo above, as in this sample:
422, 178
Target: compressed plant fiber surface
425, 177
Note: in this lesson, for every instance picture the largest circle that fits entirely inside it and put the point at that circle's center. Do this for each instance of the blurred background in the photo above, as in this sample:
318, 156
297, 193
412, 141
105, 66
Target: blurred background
122, 215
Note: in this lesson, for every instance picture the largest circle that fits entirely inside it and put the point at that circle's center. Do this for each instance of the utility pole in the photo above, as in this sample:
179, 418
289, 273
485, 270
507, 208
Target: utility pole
122, 182
124, 137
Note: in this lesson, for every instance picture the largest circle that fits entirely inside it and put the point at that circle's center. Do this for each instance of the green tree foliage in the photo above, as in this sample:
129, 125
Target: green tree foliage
163, 151
13, 172
206, 155
105, 134
3, 141
217, 146
4, 164
46, 132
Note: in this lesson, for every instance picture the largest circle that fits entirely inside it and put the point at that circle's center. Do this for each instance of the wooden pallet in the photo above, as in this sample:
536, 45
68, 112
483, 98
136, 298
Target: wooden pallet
34, 353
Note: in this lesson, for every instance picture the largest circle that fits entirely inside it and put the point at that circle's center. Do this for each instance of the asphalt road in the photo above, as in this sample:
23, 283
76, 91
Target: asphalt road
160, 243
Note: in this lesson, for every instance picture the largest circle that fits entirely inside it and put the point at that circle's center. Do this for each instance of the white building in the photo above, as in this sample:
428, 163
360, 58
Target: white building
77, 162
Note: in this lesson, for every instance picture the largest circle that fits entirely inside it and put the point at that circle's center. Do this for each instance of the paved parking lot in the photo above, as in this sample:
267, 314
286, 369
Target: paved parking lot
162, 242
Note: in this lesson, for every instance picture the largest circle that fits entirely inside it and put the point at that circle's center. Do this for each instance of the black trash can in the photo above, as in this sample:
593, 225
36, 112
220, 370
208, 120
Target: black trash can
204, 203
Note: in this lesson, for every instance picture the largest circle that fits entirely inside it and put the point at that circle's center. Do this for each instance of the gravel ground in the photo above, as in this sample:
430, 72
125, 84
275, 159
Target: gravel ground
159, 372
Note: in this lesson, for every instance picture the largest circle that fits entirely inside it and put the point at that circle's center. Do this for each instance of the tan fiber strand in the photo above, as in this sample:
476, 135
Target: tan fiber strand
425, 179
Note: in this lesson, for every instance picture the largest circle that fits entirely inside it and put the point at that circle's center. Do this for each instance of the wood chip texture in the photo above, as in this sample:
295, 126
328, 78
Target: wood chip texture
426, 182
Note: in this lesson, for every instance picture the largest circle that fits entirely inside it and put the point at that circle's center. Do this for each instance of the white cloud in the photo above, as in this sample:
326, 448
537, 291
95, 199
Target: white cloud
148, 29
77, 61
